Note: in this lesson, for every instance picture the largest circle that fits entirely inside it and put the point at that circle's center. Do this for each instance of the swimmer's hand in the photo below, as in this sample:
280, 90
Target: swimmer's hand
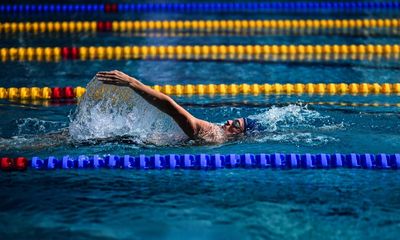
115, 78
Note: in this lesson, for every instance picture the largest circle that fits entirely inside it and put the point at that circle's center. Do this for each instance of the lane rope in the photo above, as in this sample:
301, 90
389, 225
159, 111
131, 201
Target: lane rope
35, 93
206, 26
303, 103
67, 102
205, 52
358, 32
312, 6
208, 161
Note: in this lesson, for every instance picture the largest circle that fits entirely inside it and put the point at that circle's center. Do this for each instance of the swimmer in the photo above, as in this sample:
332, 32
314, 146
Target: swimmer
196, 129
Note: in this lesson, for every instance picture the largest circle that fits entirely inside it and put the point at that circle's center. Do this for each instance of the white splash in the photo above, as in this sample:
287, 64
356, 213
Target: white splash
289, 116
111, 111
295, 124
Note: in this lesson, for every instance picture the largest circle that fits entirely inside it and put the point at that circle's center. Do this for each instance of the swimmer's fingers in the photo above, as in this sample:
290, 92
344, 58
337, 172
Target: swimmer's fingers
103, 79
115, 83
107, 80
104, 74
114, 77
109, 73
108, 77
112, 81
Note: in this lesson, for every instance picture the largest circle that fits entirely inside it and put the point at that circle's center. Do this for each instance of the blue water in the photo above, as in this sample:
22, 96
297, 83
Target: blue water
225, 204
239, 204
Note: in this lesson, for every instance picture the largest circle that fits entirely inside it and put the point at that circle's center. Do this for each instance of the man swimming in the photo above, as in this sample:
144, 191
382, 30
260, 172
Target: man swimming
196, 129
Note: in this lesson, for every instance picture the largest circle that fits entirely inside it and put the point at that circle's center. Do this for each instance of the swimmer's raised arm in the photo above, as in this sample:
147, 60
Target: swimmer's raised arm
189, 124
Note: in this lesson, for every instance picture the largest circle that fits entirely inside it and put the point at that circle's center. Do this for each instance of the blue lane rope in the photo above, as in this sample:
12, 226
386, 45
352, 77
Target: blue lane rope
218, 161
201, 7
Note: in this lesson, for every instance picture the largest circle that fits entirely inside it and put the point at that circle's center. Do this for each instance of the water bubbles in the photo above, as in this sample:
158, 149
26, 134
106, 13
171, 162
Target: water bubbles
36, 126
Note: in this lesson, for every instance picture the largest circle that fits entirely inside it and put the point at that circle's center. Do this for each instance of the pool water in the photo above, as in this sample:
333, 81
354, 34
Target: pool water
223, 204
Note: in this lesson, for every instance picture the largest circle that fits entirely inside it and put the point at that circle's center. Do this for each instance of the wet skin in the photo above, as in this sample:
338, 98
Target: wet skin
234, 127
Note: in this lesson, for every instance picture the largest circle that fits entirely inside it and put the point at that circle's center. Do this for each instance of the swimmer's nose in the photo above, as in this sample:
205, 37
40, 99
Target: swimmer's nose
229, 122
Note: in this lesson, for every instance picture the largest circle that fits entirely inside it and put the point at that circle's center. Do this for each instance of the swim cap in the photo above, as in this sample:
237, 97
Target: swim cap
249, 124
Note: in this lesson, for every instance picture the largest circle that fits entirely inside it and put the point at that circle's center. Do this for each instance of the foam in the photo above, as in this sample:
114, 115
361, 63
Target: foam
36, 126
294, 124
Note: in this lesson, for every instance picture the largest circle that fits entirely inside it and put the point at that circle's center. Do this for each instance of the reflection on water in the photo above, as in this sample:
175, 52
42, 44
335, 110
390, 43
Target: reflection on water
223, 204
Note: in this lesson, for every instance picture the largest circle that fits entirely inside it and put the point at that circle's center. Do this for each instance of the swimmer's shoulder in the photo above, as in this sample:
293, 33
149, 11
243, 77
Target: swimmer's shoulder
203, 125
210, 133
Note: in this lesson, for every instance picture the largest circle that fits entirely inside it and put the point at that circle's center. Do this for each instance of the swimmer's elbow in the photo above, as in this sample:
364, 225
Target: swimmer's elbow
169, 106
189, 124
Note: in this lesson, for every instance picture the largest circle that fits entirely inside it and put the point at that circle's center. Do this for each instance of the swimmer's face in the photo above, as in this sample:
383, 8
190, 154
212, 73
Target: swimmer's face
234, 127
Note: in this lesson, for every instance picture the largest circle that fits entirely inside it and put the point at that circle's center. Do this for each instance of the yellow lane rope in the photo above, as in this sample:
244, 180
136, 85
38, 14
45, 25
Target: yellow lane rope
196, 25
48, 103
354, 104
205, 52
213, 89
